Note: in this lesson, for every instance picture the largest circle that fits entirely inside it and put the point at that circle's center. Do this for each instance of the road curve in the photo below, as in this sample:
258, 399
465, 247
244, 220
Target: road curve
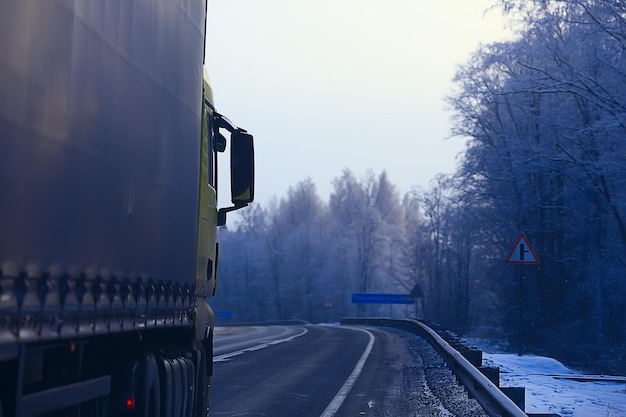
298, 377
326, 371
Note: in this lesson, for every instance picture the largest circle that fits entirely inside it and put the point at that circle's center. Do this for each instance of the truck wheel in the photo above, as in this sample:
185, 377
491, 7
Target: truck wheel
191, 386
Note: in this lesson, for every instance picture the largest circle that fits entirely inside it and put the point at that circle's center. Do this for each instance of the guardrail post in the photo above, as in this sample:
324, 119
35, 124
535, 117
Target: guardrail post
517, 395
492, 373
473, 356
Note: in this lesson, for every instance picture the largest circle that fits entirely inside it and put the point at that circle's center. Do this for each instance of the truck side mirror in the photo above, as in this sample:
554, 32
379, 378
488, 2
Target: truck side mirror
241, 173
241, 168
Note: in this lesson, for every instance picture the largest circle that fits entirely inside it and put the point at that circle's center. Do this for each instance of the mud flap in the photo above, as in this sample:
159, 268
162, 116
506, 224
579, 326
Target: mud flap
148, 394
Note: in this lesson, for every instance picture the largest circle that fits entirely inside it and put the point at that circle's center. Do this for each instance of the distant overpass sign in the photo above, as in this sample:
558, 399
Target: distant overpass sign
522, 252
382, 299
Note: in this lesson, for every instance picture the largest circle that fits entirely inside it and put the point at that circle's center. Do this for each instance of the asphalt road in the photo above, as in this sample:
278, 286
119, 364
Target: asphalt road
326, 371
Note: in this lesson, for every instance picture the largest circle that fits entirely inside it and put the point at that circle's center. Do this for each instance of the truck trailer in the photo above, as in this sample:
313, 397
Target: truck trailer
109, 143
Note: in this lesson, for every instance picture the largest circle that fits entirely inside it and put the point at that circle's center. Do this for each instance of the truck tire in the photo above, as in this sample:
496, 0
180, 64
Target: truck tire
177, 380
167, 392
177, 373
184, 381
191, 382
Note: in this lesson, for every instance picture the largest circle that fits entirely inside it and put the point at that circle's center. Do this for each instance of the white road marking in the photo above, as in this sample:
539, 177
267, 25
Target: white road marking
257, 347
226, 356
343, 392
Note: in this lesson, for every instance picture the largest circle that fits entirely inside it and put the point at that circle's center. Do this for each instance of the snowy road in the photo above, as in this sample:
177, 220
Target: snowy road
323, 371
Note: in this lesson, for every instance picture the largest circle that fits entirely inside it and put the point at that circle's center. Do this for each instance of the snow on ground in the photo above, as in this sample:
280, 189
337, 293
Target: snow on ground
549, 391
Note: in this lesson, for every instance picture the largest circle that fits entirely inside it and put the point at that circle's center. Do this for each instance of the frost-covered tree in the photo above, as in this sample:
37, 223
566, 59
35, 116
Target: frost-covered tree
545, 117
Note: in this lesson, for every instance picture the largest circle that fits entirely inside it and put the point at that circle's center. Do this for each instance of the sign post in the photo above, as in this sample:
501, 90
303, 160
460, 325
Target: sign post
522, 254
418, 295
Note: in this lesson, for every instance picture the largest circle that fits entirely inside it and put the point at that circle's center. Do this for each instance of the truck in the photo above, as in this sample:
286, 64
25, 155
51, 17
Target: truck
109, 143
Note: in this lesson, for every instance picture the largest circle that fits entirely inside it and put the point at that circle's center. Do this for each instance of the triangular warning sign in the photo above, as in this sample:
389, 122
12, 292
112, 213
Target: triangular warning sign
522, 252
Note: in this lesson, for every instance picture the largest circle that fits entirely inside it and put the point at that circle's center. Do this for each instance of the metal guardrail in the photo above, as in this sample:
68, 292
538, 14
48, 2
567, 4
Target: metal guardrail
494, 402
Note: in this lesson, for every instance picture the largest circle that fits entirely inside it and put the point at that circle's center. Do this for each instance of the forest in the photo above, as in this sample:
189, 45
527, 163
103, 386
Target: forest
544, 120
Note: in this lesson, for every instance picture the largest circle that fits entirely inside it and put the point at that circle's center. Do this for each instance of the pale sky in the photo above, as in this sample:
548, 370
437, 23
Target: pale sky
325, 85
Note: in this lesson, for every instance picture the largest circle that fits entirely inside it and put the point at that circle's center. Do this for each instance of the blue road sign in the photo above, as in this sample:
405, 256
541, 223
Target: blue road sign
382, 299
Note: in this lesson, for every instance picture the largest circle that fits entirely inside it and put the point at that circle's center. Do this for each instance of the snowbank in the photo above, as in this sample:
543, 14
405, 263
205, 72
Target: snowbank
549, 388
